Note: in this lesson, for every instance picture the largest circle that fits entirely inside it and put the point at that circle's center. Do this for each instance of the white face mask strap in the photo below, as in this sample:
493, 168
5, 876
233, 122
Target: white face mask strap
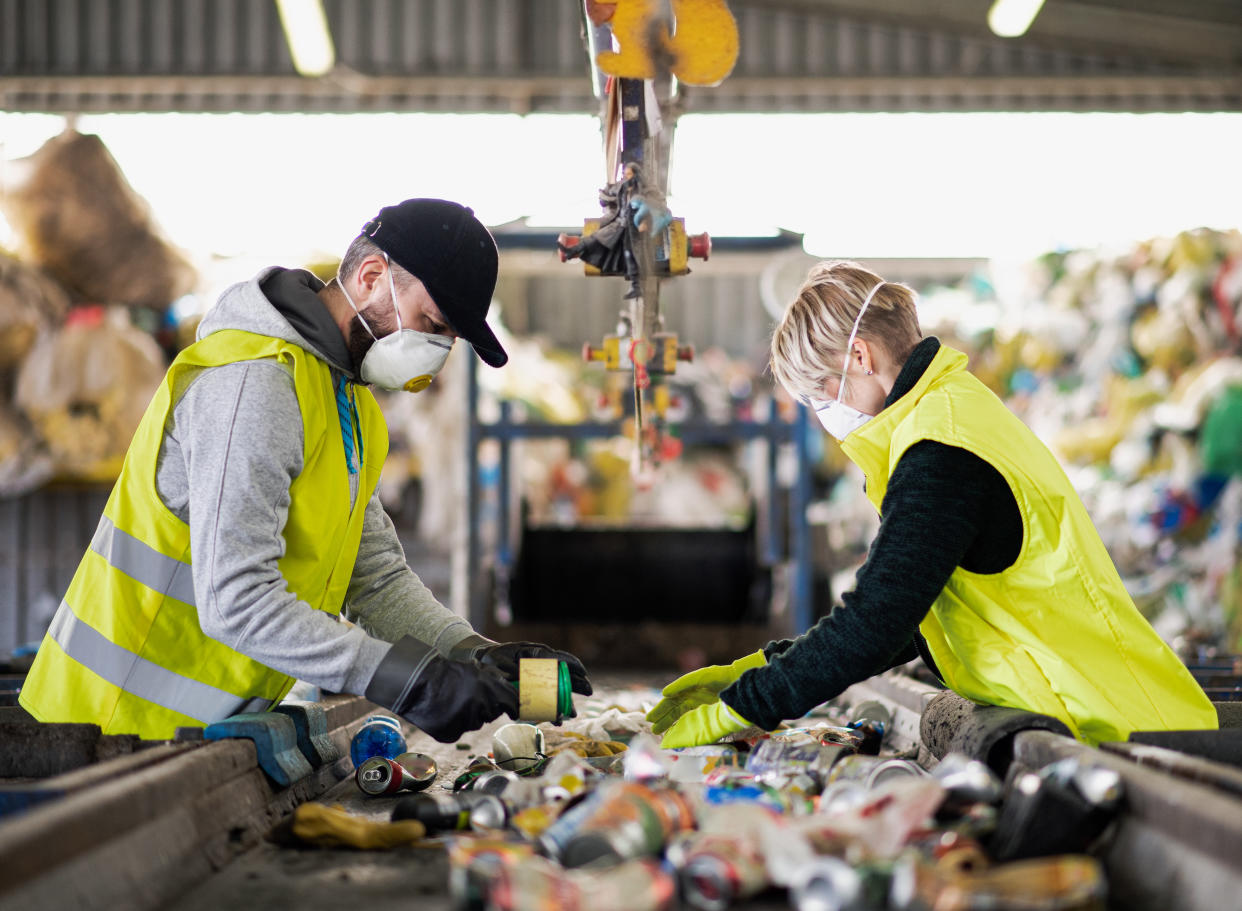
361, 319
849, 346
392, 286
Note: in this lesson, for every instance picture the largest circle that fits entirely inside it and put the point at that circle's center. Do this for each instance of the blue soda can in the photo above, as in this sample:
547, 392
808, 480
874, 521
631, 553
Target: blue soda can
380, 735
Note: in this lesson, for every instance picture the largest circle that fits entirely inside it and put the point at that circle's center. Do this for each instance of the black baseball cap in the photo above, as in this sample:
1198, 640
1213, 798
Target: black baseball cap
449, 250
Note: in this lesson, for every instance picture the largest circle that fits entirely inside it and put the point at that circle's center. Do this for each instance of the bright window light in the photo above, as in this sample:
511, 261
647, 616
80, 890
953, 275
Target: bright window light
281, 187
306, 30
1011, 18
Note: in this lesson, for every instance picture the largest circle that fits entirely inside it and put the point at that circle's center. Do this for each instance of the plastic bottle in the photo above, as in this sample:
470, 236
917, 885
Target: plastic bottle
380, 735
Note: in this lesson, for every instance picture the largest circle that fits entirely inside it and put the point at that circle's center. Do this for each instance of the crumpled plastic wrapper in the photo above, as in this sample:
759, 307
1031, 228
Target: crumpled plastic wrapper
611, 724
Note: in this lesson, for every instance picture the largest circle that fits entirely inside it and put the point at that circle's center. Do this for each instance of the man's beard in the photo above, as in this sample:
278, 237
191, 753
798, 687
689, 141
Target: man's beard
359, 342
382, 321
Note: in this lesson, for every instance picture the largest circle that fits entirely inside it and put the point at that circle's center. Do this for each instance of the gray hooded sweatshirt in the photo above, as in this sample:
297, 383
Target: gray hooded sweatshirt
231, 448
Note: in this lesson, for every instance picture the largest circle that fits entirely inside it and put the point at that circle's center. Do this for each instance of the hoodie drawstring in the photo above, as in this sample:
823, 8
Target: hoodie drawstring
348, 415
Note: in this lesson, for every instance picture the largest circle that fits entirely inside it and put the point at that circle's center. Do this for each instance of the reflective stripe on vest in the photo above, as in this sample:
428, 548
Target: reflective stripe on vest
135, 674
130, 611
1056, 632
143, 563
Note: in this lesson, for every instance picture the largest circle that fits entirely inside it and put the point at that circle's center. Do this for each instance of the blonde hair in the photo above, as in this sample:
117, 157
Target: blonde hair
809, 344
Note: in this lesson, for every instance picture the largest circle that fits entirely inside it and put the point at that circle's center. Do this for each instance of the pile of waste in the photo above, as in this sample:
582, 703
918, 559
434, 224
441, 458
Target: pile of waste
85, 304
822, 815
1128, 365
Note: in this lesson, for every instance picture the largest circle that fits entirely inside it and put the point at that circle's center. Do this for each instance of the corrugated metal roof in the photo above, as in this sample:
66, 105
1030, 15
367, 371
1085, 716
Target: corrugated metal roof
528, 55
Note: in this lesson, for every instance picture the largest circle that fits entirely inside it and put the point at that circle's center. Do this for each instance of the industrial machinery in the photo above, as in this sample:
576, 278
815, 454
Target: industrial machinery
640, 53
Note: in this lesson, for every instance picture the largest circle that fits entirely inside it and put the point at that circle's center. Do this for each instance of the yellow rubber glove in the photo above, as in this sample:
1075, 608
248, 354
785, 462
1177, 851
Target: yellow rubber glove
706, 724
701, 687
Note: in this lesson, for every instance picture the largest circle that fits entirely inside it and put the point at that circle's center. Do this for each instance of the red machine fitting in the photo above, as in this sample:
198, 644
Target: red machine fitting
569, 240
700, 246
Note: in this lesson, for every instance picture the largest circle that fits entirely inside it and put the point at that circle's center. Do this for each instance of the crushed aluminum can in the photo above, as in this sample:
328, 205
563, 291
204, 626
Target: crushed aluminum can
494, 782
967, 780
555, 837
1049, 812
421, 766
715, 870
408, 772
474, 865
775, 758
827, 884
477, 767
490, 815
541, 885
518, 793
871, 771
632, 821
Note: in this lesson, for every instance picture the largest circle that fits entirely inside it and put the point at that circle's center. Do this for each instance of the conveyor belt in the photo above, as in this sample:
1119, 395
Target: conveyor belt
183, 826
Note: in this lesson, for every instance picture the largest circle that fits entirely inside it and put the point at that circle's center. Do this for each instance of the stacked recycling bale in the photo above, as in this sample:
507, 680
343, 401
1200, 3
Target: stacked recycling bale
82, 298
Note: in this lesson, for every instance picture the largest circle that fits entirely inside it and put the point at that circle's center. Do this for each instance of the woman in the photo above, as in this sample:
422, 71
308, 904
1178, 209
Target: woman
986, 563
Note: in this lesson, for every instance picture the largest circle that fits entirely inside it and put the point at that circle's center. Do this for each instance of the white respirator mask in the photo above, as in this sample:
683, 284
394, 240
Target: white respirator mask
838, 418
405, 359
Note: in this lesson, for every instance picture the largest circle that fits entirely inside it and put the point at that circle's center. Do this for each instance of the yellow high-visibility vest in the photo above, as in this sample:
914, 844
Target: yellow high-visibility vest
125, 649
1057, 632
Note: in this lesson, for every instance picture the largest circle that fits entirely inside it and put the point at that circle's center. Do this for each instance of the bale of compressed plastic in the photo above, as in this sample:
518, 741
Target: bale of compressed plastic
79, 220
85, 387
31, 304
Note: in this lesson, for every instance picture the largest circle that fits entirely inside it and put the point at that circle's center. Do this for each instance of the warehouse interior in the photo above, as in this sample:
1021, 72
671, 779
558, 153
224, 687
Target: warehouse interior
1060, 197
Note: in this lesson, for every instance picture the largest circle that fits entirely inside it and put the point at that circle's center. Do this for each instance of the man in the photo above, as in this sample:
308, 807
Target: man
260, 455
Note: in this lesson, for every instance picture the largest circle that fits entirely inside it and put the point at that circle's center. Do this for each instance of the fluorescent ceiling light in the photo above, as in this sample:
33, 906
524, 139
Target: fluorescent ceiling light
306, 30
1011, 18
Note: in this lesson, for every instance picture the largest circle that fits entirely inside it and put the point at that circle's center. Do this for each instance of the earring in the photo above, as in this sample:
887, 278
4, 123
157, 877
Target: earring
869, 372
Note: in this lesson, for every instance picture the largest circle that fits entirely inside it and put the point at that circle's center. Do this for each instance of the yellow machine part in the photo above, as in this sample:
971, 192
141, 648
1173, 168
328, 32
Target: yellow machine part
702, 50
676, 246
589, 227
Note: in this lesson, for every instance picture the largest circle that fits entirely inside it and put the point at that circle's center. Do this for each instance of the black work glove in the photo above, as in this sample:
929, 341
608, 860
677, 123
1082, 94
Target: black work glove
504, 656
441, 696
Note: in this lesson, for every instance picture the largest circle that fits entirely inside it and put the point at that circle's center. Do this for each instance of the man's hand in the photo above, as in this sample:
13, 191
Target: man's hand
504, 657
705, 724
701, 687
443, 697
